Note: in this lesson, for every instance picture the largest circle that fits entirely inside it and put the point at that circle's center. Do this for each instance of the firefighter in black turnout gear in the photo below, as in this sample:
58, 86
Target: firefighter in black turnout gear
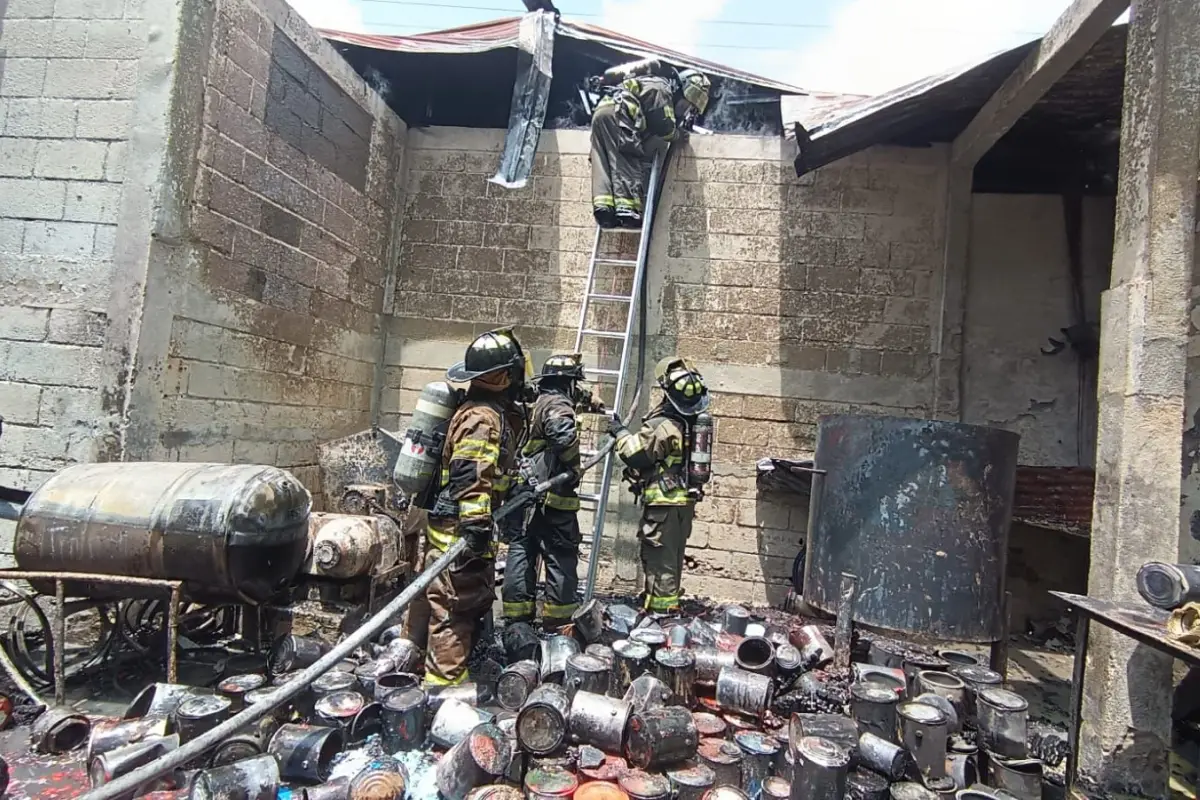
552, 533
642, 101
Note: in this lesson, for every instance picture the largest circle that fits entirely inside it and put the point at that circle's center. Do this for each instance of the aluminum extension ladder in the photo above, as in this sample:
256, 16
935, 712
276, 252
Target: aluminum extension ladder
619, 375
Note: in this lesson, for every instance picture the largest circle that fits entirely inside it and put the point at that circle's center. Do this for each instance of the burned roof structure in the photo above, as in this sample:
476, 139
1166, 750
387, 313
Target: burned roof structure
1066, 142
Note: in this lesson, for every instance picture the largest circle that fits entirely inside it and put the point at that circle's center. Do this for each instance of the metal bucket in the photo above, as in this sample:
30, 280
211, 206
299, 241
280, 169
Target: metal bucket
923, 732
953, 723
677, 669
454, 720
600, 721
734, 619
555, 650
403, 718
659, 737
290, 653
961, 767
743, 692
880, 755
586, 674
915, 663
814, 648
677, 636
478, 760
235, 688
866, 785
1020, 777
405, 654
759, 751
160, 700
887, 653
776, 788
253, 779
520, 642
550, 783
383, 779
647, 692
338, 710
633, 659
386, 684
654, 638
109, 734
788, 660
542, 721
947, 685
368, 672
907, 790
603, 652
305, 752
108, 766
199, 715
874, 709
690, 782
1003, 721
976, 678
958, 658
709, 725
725, 760
821, 770
755, 654
515, 684
589, 620
837, 728
641, 785
709, 663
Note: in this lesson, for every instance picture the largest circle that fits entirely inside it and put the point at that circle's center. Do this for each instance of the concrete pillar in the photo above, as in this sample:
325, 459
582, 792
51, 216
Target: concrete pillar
1126, 711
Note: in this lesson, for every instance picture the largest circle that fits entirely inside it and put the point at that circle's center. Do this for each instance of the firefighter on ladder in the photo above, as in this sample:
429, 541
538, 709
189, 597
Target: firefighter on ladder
478, 463
637, 107
669, 461
552, 533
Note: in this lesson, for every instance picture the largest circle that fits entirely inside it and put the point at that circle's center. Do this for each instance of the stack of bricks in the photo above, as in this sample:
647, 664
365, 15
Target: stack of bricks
68, 70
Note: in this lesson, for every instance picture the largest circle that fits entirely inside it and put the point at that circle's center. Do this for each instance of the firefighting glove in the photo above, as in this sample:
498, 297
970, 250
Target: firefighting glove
616, 428
478, 536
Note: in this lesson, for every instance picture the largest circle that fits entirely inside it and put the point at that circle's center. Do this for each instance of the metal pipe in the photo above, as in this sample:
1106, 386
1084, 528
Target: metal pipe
173, 634
60, 646
253, 713
844, 631
129, 580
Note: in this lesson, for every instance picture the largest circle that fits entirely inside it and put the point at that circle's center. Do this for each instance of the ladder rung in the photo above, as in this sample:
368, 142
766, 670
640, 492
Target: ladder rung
591, 497
605, 334
623, 298
602, 371
620, 262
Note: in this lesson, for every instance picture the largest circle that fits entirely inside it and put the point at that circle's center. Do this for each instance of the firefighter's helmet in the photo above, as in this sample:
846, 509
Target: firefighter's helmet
567, 366
491, 353
683, 385
696, 88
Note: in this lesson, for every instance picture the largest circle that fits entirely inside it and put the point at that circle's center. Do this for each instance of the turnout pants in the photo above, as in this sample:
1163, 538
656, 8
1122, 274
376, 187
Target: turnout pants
664, 531
616, 158
553, 536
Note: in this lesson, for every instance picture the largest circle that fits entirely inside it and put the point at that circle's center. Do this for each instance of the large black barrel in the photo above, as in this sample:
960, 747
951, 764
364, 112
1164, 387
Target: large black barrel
920, 511
230, 532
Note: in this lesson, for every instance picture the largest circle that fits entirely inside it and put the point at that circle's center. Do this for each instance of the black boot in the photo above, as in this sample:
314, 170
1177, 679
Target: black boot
605, 217
630, 220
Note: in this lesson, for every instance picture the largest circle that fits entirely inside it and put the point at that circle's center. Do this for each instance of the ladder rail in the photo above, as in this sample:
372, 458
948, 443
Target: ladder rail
587, 292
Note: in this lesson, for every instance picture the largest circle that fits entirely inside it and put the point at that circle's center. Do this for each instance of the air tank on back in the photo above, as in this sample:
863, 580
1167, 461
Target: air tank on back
919, 511
700, 451
229, 532
421, 451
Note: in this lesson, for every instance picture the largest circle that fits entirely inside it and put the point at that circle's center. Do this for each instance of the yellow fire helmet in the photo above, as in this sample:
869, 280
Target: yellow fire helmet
696, 87
683, 385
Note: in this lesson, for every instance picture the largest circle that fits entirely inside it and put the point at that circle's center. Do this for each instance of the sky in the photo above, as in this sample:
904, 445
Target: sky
851, 46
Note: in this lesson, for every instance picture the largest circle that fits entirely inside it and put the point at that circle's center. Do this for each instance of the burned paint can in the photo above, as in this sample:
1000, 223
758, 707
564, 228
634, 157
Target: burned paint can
708, 726
814, 648
478, 760
473, 694
945, 706
108, 766
338, 710
335, 680
552, 783
252, 779
1019, 777
338, 789
923, 733
235, 687
555, 650
866, 785
884, 676
755, 654
623, 615
907, 790
759, 751
600, 790
725, 793
305, 752
958, 658
961, 767
942, 787
947, 685
660, 736
633, 659
199, 715
279, 714
725, 760
589, 621
701, 633
160, 700
883, 756
290, 653
743, 692
370, 671
641, 785
603, 652
677, 637
454, 720
874, 709
586, 673
542, 721
977, 678
776, 788
754, 629
516, 767
821, 770
837, 728
403, 717
677, 670
520, 642
600, 721
734, 619
384, 778
788, 660
405, 654
366, 723
709, 663
109, 734
515, 684
691, 781
887, 653
1003, 720
386, 684
654, 638
916, 662
647, 692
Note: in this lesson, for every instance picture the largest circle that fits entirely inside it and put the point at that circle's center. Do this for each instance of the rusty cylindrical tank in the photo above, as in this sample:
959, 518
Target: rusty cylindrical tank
229, 532
919, 509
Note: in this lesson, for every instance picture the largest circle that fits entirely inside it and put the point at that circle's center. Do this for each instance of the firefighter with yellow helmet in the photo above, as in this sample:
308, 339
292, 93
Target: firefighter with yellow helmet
669, 462
644, 100
477, 467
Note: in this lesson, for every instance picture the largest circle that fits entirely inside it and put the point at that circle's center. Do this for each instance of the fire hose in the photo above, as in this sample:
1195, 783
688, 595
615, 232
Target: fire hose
126, 785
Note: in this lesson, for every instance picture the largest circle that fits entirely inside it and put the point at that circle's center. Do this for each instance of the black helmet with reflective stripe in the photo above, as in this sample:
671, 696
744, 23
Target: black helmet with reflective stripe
492, 352
567, 366
683, 385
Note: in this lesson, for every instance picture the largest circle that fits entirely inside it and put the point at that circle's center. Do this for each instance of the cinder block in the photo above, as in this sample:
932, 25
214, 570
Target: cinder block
88, 9
114, 39
106, 241
39, 118
76, 326
32, 199
23, 77
66, 406
73, 239
70, 159
135, 9
92, 202
51, 364
86, 79
23, 324
17, 157
25, 38
12, 232
103, 119
68, 38
29, 9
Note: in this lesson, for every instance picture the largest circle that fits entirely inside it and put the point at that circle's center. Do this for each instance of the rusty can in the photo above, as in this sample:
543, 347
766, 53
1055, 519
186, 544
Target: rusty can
586, 673
777, 788
654, 638
977, 678
923, 733
550, 783
821, 770
599, 720
386, 684
478, 760
874, 709
647, 692
160, 700
555, 650
708, 725
759, 751
691, 780
677, 670
305, 752
734, 619
755, 654
600, 790
724, 758
641, 785
404, 719
633, 659
369, 671
235, 687
515, 684
542, 721
520, 642
589, 620
454, 720
109, 734
253, 779
290, 653
338, 710
496, 791
947, 685
1003, 721
200, 714
660, 736
883, 756
709, 663
384, 778
863, 784
743, 692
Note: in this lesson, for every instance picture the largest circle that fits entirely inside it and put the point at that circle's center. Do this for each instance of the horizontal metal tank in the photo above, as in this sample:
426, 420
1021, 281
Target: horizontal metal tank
230, 532
919, 510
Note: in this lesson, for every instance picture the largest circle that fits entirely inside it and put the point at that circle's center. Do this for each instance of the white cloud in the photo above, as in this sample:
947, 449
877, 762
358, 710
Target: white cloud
670, 23
338, 15
876, 45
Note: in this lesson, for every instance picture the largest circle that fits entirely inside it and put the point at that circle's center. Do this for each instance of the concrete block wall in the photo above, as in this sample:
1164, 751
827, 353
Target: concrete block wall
68, 72
797, 297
